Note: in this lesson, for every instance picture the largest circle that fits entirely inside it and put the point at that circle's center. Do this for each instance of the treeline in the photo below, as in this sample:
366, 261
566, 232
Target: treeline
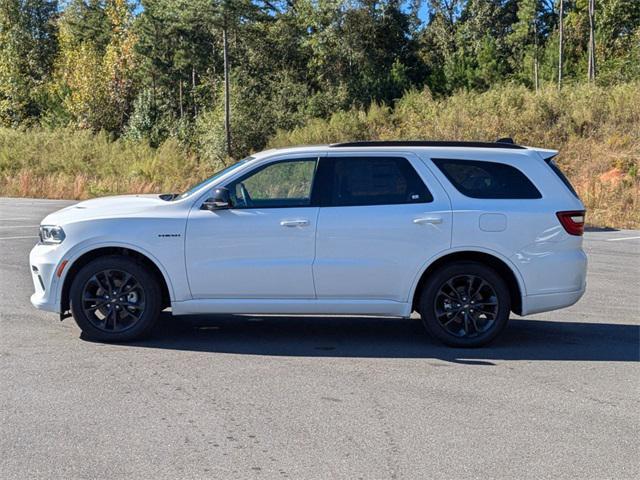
155, 69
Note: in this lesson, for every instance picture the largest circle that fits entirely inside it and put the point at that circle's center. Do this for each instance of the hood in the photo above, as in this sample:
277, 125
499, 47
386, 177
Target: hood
105, 207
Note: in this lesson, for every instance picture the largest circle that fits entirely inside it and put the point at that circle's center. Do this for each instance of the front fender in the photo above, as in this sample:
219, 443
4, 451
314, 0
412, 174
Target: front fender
81, 249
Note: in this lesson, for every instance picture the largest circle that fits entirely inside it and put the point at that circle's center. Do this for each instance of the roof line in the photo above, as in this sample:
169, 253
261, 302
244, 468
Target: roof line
427, 143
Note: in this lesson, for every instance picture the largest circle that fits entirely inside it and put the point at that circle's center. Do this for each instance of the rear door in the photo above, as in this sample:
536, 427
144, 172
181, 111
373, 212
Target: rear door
382, 216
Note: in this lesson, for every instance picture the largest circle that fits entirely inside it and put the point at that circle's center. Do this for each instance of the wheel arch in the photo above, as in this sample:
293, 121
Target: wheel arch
126, 251
502, 266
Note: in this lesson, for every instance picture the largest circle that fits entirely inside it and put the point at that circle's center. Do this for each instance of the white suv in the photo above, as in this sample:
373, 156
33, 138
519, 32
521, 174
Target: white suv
461, 232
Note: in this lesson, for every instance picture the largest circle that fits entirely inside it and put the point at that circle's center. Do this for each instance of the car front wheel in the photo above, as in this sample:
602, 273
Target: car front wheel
115, 299
465, 304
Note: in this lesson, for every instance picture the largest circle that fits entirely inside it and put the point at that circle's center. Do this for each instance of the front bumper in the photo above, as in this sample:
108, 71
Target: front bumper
44, 261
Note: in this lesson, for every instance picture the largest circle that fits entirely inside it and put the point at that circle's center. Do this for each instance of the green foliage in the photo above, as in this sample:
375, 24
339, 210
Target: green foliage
549, 117
109, 96
259, 106
93, 82
151, 70
27, 49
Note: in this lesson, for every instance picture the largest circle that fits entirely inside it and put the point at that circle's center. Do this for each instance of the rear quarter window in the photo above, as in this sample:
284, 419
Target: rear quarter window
489, 180
562, 177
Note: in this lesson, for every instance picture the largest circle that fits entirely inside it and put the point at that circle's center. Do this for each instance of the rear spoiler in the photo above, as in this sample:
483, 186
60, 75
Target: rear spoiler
546, 154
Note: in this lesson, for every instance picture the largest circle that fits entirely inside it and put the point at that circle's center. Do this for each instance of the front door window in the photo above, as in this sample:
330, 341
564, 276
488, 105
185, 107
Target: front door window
277, 185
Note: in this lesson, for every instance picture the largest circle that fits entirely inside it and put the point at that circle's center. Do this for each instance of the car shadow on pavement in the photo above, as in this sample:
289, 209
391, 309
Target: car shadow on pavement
390, 338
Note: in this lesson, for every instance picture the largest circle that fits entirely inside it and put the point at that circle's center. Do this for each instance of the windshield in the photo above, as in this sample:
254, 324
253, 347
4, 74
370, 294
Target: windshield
213, 177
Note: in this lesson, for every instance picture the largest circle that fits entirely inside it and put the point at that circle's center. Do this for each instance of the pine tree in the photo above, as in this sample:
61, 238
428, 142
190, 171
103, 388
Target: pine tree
27, 48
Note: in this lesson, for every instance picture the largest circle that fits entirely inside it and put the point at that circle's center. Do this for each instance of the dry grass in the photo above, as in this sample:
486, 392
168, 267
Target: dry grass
597, 131
79, 187
605, 176
78, 165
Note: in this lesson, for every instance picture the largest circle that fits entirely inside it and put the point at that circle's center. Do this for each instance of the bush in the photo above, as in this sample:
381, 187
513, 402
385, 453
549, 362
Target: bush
596, 130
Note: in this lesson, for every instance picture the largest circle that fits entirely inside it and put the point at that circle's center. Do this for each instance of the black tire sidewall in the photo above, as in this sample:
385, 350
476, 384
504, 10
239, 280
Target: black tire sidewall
142, 275
439, 277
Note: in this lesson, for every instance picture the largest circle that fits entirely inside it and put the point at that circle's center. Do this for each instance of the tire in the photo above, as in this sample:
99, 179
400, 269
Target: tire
459, 311
130, 314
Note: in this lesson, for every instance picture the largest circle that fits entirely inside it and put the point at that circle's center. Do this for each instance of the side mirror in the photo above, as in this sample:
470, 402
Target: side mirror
221, 199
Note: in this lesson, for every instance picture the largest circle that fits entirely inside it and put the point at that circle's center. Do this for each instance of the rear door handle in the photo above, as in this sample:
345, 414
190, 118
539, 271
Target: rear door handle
425, 220
294, 223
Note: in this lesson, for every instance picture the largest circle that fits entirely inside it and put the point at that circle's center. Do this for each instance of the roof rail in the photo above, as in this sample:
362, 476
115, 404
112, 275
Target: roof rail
501, 143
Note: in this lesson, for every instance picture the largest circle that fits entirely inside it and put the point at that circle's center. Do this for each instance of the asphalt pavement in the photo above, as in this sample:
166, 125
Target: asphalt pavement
223, 397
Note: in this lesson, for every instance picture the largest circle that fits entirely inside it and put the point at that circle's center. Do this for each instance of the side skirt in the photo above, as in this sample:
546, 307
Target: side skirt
383, 308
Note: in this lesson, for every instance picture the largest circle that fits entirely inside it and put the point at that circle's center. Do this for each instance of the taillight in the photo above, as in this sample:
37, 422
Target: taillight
573, 221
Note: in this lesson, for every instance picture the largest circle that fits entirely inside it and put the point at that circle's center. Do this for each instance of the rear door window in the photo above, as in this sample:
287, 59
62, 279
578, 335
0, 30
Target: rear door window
489, 180
374, 181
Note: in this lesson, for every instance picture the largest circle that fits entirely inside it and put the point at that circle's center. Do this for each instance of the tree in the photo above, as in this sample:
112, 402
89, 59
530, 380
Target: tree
526, 37
151, 68
226, 15
592, 41
618, 40
87, 21
27, 48
94, 82
356, 44
560, 41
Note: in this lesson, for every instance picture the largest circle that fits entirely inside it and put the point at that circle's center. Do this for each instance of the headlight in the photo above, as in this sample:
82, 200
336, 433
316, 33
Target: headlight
51, 234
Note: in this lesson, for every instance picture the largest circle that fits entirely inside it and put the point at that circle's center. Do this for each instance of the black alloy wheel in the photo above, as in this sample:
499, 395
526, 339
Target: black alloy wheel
114, 299
465, 304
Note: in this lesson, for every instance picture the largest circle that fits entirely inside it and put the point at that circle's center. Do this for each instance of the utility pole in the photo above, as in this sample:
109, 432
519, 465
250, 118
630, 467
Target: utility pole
227, 121
561, 42
193, 91
180, 97
535, 54
592, 41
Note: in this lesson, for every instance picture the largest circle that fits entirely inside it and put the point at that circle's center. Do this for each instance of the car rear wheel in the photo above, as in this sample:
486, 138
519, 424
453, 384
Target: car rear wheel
115, 299
465, 304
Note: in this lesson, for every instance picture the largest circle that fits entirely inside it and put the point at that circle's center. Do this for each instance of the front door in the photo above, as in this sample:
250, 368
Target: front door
264, 245
382, 217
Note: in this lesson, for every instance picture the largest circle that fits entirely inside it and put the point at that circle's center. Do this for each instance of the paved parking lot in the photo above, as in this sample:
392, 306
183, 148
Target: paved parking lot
321, 398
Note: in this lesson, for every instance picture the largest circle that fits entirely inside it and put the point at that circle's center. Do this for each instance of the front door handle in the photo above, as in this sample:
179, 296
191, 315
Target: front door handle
425, 220
294, 223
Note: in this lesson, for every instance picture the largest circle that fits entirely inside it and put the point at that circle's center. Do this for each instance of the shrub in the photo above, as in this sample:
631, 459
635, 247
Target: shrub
596, 130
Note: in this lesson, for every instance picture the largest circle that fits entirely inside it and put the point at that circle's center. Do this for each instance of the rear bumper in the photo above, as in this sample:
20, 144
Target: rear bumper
550, 301
555, 276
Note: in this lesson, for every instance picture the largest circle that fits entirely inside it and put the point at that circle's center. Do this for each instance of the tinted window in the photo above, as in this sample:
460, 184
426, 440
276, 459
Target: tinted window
562, 177
282, 184
375, 181
478, 179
